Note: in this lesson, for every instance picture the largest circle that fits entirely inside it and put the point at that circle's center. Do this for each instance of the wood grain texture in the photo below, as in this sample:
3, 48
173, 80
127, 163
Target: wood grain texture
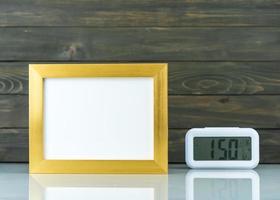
13, 111
13, 78
139, 13
13, 145
224, 78
259, 111
269, 145
139, 44
185, 78
231, 111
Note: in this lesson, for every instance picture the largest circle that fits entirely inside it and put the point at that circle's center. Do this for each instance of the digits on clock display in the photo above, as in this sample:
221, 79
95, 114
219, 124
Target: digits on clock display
229, 149
222, 148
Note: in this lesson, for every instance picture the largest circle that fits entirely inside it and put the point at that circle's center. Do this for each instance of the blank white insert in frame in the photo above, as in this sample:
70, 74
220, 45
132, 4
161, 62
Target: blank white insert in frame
107, 118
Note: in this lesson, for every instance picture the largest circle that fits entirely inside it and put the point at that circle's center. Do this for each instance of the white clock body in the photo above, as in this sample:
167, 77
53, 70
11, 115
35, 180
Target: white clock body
229, 134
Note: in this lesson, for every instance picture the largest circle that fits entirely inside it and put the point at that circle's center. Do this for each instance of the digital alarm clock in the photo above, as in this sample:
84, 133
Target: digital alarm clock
222, 148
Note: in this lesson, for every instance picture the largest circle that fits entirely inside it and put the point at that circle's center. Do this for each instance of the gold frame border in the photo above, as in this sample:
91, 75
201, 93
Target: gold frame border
37, 73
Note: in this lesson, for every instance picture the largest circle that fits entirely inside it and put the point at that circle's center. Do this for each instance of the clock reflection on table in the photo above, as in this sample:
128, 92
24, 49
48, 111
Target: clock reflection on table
103, 187
222, 185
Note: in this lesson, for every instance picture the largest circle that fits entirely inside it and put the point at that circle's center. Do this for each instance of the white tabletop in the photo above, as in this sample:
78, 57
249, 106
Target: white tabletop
181, 183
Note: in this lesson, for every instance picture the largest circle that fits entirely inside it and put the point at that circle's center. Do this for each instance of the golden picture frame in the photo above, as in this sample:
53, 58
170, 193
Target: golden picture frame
98, 118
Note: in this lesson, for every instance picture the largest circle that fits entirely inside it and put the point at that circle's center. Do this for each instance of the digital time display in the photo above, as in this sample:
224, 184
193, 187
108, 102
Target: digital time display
222, 148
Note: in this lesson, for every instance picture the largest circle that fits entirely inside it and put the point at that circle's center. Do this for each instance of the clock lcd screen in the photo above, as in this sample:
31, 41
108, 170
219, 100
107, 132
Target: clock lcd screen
222, 148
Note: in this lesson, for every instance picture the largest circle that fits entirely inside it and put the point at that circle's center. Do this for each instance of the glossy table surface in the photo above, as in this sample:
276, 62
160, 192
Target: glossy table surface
181, 183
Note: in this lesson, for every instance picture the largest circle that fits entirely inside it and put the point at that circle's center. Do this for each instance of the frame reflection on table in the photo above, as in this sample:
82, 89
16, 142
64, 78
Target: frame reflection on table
105, 187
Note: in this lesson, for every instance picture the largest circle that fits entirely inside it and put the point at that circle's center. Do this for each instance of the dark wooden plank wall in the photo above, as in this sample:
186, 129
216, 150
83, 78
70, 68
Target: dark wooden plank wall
144, 13
224, 64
